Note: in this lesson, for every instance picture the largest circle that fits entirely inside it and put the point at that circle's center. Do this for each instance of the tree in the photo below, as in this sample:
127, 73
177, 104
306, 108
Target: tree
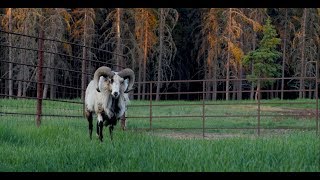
83, 29
264, 58
54, 26
26, 23
284, 29
259, 16
305, 44
9, 16
235, 20
23, 21
145, 24
167, 49
117, 34
209, 51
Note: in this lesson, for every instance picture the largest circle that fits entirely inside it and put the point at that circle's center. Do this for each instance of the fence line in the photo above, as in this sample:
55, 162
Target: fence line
75, 85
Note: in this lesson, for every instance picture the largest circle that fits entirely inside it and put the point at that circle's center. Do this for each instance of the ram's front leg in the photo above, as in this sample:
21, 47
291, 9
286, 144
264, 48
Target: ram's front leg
100, 126
109, 113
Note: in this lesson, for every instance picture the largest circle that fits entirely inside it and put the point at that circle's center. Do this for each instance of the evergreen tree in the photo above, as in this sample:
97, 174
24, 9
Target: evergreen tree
264, 58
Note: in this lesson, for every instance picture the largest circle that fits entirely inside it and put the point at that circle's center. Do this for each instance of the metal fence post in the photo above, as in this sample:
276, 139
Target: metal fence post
40, 79
203, 106
150, 106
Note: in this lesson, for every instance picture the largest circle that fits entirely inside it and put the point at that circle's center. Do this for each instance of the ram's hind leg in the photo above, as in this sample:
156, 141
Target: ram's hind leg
98, 128
123, 122
89, 118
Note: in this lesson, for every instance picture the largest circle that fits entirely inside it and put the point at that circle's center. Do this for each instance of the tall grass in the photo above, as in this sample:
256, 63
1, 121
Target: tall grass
66, 148
63, 144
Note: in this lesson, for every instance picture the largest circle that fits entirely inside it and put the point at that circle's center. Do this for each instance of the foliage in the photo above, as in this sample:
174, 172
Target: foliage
264, 58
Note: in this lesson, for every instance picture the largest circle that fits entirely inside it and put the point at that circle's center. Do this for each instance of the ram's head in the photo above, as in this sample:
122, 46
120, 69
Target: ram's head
113, 81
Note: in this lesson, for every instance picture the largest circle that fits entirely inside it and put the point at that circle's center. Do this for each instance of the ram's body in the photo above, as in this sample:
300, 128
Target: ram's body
107, 97
101, 102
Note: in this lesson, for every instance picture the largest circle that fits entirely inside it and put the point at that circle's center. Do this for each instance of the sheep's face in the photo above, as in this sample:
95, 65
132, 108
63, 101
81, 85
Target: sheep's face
104, 84
115, 83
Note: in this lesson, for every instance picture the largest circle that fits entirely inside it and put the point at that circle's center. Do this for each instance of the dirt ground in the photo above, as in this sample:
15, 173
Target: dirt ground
190, 135
297, 112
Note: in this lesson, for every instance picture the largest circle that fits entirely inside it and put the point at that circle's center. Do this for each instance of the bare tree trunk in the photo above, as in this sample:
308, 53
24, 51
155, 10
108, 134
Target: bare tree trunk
278, 84
239, 96
252, 67
215, 68
10, 55
302, 73
26, 85
139, 79
214, 85
160, 53
49, 79
310, 90
284, 52
21, 72
258, 91
234, 90
208, 77
84, 56
118, 35
228, 57
208, 74
52, 86
240, 84
179, 90
25, 68
22, 68
48, 76
145, 53
271, 93
45, 89
188, 89
140, 66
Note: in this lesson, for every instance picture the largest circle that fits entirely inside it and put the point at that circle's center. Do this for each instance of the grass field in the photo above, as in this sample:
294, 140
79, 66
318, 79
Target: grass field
62, 144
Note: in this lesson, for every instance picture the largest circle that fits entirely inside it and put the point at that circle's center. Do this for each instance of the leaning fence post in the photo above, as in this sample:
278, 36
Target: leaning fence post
40, 79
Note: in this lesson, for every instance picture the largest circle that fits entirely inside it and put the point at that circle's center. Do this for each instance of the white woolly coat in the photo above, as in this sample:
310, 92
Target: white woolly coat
99, 102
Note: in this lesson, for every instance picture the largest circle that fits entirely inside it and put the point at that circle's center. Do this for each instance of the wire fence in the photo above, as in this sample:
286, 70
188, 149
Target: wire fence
43, 82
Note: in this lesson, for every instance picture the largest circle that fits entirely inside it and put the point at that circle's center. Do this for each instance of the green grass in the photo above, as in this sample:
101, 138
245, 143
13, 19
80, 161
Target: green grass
62, 144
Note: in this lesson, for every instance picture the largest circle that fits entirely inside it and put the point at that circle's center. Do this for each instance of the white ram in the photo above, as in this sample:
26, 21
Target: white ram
107, 97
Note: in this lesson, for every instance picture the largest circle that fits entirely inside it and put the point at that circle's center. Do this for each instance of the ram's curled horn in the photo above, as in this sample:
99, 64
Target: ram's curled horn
102, 71
128, 73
